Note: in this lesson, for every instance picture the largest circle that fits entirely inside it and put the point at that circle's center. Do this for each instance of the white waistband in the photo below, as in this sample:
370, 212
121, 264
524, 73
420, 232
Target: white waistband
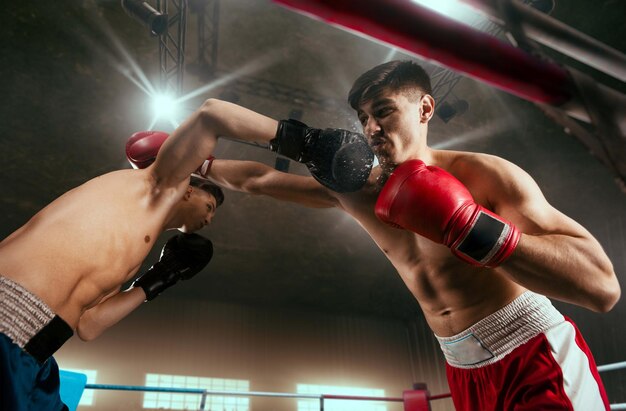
22, 314
496, 335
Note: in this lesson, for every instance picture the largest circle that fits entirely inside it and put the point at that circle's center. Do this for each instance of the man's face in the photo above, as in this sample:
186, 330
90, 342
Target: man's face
199, 210
391, 123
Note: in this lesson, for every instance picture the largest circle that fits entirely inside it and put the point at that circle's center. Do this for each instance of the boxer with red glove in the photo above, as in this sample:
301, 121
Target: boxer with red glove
432, 203
142, 148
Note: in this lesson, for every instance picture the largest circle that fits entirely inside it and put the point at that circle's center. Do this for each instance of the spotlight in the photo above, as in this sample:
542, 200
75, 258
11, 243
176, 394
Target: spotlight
448, 110
165, 107
147, 15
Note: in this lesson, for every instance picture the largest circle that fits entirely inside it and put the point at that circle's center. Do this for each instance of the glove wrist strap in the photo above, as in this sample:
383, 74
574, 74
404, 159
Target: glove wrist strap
290, 139
488, 241
205, 168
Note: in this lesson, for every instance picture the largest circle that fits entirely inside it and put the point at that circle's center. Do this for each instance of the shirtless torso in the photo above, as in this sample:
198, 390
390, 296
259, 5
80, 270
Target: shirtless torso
556, 256
87, 243
452, 294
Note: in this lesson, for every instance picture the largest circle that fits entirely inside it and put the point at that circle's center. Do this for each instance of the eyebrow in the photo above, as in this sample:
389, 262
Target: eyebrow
377, 104
381, 102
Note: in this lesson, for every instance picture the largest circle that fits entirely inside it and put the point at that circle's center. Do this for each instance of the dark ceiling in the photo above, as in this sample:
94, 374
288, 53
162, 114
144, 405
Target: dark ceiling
67, 109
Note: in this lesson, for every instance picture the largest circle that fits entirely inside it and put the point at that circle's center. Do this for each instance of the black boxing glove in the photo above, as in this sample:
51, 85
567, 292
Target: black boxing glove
339, 159
182, 257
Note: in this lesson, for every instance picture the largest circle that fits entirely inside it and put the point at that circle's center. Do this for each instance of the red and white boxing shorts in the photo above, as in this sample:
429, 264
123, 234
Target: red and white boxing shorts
525, 356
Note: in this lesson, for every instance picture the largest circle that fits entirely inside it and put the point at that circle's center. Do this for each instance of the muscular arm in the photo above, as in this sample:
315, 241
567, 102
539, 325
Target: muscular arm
256, 178
191, 143
555, 256
109, 312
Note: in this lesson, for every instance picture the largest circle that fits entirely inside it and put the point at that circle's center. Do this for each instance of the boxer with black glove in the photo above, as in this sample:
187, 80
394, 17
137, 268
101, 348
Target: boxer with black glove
433, 203
183, 256
339, 159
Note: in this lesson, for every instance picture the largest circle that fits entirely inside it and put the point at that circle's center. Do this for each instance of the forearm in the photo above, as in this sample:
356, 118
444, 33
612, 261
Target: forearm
194, 141
236, 175
259, 179
567, 268
230, 120
97, 319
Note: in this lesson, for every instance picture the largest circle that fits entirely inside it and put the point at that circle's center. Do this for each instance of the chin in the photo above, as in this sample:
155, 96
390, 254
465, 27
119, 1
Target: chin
387, 163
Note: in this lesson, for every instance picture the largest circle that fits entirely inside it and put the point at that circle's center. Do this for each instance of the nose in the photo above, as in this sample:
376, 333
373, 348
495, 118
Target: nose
371, 127
207, 219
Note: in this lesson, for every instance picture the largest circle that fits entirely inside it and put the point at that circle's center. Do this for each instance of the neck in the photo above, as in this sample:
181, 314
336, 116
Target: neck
174, 219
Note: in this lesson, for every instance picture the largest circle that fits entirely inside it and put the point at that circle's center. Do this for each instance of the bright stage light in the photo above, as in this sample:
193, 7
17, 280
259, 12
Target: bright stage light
165, 107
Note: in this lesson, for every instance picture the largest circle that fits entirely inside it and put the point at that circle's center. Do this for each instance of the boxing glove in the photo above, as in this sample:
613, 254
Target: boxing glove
339, 159
182, 257
142, 148
432, 203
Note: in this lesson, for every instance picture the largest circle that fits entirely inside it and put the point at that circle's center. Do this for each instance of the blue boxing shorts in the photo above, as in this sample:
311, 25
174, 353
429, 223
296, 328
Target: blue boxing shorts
30, 333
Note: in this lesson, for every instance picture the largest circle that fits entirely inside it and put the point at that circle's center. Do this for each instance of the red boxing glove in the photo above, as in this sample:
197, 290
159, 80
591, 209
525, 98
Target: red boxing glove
432, 203
142, 148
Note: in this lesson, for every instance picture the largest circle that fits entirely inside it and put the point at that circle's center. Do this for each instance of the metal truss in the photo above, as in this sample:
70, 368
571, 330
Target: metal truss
207, 19
172, 46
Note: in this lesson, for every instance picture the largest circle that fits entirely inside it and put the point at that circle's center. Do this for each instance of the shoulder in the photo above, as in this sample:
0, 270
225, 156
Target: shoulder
492, 179
140, 184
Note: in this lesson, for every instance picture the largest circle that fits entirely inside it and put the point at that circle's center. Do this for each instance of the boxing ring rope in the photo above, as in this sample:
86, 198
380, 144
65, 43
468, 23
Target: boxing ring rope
426, 33
206, 393
552, 86
320, 397
431, 35
611, 367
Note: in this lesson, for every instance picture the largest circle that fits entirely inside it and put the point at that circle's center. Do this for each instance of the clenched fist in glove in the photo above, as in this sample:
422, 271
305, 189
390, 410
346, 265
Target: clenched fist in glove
339, 159
182, 257
431, 202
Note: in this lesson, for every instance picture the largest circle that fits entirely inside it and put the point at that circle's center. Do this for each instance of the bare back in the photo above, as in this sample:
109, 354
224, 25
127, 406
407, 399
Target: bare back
88, 242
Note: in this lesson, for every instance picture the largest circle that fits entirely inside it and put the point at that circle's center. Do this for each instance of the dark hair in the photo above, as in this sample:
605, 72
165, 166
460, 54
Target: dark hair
396, 75
210, 188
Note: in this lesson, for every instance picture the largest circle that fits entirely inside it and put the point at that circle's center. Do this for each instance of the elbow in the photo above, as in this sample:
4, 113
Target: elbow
252, 186
210, 104
86, 336
611, 300
213, 114
258, 179
86, 333
608, 297
211, 108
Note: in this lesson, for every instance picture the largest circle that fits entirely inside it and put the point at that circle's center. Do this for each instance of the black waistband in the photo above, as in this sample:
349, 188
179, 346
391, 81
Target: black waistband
49, 339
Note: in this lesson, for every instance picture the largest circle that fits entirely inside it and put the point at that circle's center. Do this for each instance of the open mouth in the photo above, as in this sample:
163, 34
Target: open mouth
377, 144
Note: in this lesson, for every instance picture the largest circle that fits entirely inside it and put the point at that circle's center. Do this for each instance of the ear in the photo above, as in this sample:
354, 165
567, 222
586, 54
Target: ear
187, 195
427, 108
